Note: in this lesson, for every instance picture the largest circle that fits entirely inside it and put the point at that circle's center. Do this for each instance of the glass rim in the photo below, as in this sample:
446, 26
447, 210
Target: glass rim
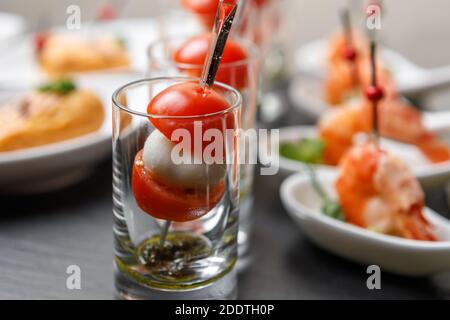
253, 52
236, 104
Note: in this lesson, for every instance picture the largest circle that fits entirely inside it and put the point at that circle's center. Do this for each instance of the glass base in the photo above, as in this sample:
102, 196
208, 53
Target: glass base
224, 288
244, 254
245, 223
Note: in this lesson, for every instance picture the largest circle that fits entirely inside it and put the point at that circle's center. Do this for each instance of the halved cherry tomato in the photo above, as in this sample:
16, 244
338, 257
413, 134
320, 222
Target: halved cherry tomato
167, 202
206, 9
201, 6
188, 99
232, 69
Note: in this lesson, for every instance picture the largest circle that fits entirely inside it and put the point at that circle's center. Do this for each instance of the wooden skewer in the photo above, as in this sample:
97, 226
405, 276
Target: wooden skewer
347, 25
373, 63
350, 50
164, 232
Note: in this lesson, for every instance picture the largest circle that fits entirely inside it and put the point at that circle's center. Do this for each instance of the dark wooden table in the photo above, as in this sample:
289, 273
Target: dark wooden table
41, 235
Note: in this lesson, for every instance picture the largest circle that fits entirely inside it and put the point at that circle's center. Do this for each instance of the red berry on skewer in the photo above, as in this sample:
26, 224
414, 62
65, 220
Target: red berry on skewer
349, 53
374, 93
40, 40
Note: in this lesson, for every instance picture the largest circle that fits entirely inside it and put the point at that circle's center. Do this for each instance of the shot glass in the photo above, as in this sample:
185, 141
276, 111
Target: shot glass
243, 75
191, 257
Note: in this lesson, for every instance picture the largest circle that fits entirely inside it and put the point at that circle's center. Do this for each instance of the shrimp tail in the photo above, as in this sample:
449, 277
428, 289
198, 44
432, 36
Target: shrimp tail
434, 149
413, 225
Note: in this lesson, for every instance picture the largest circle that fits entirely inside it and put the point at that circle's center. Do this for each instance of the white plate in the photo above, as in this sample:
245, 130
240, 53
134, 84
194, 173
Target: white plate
429, 174
409, 78
393, 254
137, 33
58, 164
11, 26
55, 165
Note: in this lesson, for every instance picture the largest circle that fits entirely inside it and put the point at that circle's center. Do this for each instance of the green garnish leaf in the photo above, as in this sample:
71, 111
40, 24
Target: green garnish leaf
305, 150
121, 41
330, 207
61, 86
333, 209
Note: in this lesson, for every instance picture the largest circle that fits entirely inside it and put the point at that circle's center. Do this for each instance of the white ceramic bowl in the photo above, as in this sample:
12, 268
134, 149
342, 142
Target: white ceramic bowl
59, 164
429, 174
392, 254
11, 26
19, 66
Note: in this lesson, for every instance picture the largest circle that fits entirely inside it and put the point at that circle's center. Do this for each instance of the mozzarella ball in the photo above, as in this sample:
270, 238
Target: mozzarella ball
157, 158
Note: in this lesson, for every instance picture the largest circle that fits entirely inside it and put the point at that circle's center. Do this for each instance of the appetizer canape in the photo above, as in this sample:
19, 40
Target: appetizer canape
397, 121
338, 128
349, 70
54, 112
377, 191
60, 54
180, 192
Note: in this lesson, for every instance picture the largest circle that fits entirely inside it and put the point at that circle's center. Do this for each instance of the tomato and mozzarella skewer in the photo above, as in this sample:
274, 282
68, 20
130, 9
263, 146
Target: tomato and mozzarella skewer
180, 192
160, 188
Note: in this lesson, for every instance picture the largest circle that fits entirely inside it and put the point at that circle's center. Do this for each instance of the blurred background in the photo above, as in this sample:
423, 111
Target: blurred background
416, 28
41, 233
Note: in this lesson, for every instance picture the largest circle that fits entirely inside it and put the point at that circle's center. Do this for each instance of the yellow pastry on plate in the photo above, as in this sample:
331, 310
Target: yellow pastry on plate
55, 112
67, 53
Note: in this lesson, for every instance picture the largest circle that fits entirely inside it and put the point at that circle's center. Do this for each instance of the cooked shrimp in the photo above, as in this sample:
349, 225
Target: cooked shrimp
340, 82
342, 74
377, 191
345, 77
337, 128
338, 42
397, 120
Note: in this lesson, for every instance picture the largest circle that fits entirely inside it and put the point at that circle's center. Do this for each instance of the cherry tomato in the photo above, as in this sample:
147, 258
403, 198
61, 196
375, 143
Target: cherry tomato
204, 9
106, 13
188, 99
167, 202
201, 6
195, 50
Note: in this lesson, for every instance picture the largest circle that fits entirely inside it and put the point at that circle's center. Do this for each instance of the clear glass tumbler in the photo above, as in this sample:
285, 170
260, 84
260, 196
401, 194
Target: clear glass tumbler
242, 75
192, 256
269, 24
